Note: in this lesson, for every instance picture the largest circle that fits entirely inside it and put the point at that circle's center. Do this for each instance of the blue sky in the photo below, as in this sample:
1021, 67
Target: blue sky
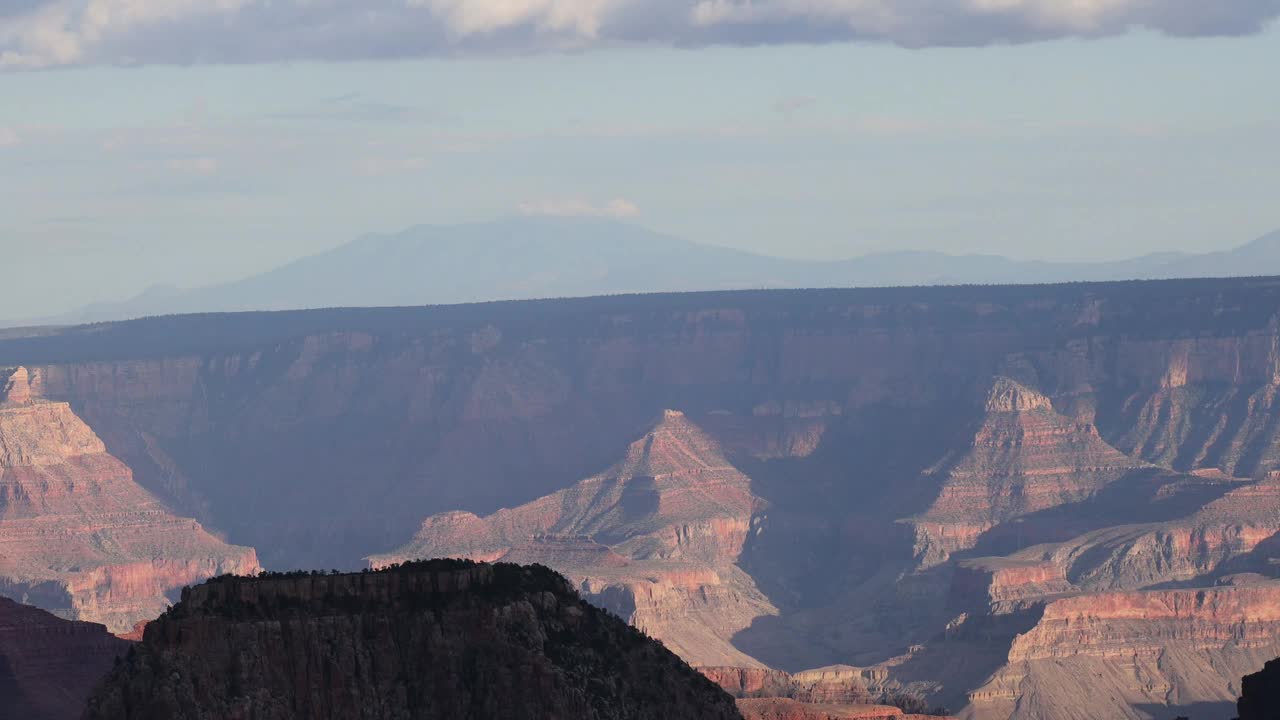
201, 147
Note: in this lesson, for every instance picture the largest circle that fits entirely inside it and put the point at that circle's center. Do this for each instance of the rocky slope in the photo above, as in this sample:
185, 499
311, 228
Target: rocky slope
49, 665
654, 538
77, 535
430, 640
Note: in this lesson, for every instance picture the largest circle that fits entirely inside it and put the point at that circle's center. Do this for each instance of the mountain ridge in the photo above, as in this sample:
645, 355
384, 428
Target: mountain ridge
530, 258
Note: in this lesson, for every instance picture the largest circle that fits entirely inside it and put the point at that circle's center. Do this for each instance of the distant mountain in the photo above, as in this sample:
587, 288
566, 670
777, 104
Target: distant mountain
522, 258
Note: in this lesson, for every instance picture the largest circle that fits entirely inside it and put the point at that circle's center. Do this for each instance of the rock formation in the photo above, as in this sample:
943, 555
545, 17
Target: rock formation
653, 538
1260, 693
49, 665
1024, 458
1111, 654
787, 709
825, 686
77, 535
444, 639
16, 390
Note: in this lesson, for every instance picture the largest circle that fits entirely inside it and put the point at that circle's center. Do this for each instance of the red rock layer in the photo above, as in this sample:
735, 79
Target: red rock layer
655, 538
16, 388
787, 709
840, 685
1110, 654
48, 665
1024, 458
1132, 557
79, 537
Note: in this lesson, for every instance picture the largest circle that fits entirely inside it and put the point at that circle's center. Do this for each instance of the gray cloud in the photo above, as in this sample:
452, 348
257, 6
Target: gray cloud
51, 33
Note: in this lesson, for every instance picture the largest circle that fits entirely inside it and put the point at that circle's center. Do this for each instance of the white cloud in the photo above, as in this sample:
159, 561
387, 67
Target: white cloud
8, 136
44, 33
578, 207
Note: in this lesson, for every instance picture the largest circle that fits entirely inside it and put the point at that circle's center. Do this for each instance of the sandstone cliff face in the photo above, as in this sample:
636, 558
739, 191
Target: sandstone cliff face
1112, 654
823, 686
654, 538
49, 665
786, 709
443, 639
78, 536
1024, 458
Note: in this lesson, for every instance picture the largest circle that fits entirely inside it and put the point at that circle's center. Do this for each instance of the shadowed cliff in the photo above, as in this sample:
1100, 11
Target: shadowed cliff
439, 639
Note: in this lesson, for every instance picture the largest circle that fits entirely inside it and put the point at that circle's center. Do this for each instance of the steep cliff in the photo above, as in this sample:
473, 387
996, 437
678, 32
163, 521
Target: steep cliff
49, 665
77, 535
1260, 693
654, 538
424, 640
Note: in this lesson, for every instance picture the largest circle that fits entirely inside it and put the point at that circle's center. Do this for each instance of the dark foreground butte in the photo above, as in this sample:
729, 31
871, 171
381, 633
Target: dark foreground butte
440, 639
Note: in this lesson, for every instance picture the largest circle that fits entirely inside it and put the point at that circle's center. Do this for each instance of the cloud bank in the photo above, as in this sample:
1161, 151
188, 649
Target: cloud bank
52, 33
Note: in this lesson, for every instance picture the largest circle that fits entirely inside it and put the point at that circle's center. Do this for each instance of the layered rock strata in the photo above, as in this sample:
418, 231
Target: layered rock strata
443, 639
654, 538
78, 536
1024, 458
787, 709
1113, 654
839, 685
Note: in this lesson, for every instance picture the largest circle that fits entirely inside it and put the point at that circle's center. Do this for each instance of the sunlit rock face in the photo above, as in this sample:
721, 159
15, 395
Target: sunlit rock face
1024, 458
1116, 653
654, 538
77, 535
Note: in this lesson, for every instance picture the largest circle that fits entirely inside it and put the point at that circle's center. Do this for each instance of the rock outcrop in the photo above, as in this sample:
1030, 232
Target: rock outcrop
78, 536
16, 389
444, 639
653, 538
1260, 693
48, 665
1024, 458
787, 709
1112, 654
840, 685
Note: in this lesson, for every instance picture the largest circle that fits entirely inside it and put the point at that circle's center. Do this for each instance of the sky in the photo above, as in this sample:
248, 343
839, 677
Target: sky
190, 142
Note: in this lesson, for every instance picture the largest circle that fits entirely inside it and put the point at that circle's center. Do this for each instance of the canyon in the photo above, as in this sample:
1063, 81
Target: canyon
991, 498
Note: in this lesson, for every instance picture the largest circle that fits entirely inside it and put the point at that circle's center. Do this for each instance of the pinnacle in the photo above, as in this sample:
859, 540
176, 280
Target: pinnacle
1007, 395
17, 388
